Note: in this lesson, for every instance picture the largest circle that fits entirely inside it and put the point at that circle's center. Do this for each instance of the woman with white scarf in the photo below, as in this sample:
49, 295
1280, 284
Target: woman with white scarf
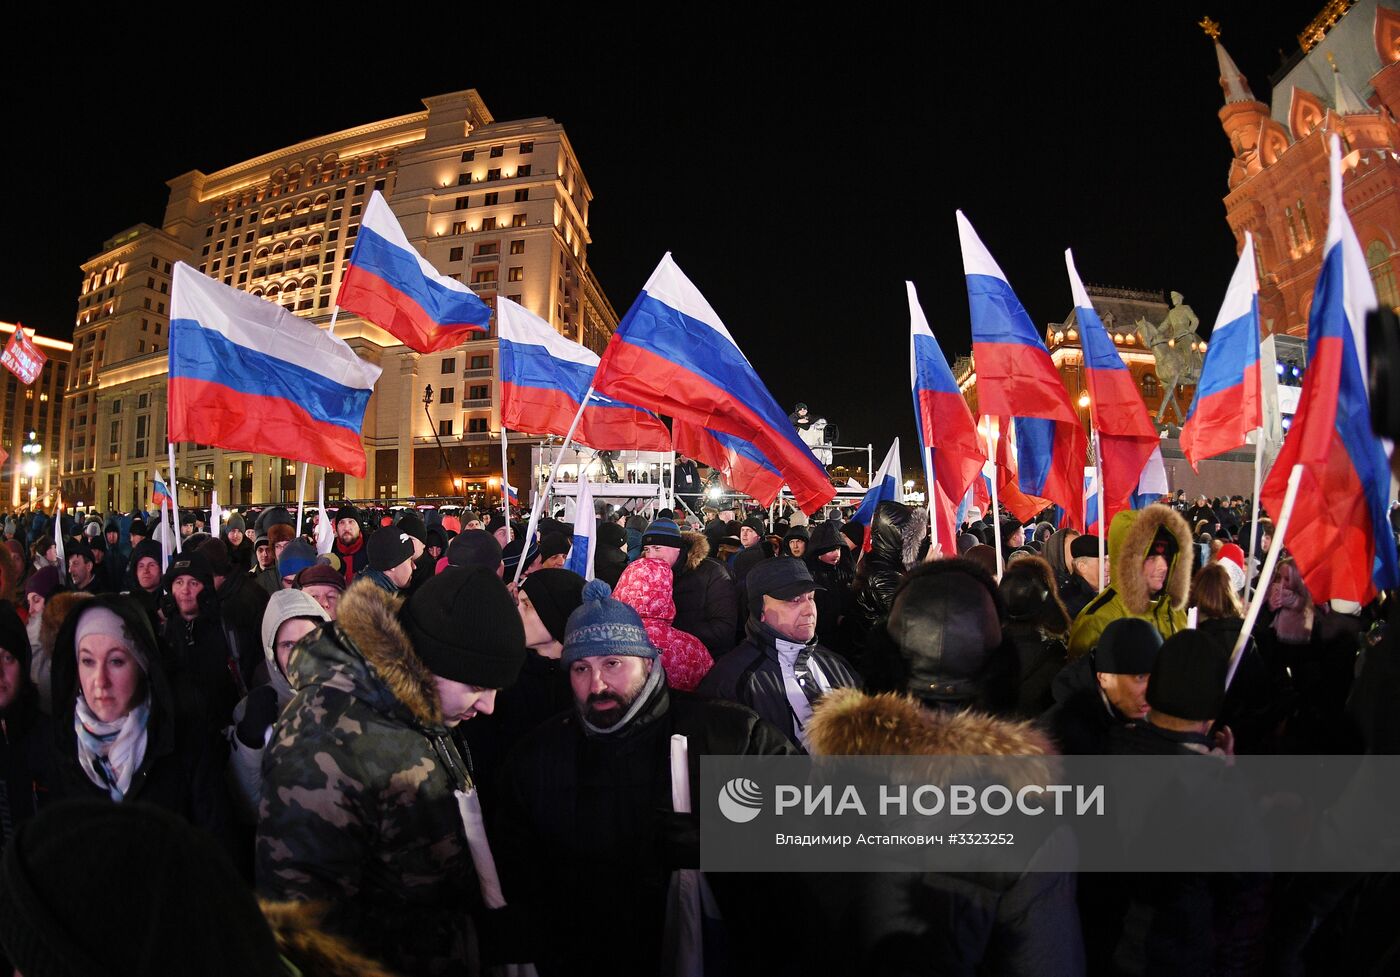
117, 730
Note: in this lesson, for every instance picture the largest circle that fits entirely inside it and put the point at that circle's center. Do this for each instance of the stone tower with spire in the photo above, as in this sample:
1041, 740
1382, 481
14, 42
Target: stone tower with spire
1345, 79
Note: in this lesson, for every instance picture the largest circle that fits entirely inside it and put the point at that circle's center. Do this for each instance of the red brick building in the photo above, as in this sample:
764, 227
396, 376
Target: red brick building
1345, 79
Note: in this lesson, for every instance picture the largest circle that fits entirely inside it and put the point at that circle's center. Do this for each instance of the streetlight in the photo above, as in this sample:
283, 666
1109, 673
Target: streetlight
32, 465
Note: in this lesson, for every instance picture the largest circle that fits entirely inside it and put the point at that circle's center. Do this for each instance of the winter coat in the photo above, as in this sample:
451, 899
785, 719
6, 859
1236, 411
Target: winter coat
241, 556
706, 600
1039, 658
953, 923
242, 603
1081, 720
357, 806
26, 740
180, 771
1077, 594
645, 586
752, 676
539, 693
579, 818
207, 653
1129, 538
608, 563
895, 535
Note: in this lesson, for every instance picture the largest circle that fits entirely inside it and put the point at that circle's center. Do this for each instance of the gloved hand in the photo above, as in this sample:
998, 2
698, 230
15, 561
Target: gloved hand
259, 712
678, 839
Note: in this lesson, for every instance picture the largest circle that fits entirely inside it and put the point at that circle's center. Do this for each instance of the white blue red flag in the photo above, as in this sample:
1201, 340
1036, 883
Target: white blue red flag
1127, 436
585, 542
1228, 402
886, 485
944, 421
247, 375
389, 283
1016, 378
672, 354
544, 378
1341, 538
1091, 501
742, 466
160, 492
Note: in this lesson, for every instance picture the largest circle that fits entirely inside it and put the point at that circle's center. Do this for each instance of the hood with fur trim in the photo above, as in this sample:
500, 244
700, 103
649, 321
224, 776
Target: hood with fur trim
1129, 537
366, 651
696, 546
849, 722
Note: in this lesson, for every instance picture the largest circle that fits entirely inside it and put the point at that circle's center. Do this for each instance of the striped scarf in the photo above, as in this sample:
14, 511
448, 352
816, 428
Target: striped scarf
110, 753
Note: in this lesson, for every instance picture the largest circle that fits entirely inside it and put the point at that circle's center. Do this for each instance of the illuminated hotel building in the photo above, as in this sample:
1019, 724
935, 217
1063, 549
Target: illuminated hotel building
501, 206
33, 464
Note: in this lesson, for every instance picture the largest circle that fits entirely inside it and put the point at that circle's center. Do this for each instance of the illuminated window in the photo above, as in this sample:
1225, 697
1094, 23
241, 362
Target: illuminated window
517, 247
459, 227
516, 274
484, 276
488, 223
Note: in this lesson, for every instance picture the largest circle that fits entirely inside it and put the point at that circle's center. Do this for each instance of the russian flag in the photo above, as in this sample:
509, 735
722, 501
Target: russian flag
1152, 484
247, 375
947, 431
389, 283
1127, 436
742, 466
512, 497
886, 485
1341, 538
1091, 501
1228, 404
159, 492
1011, 492
673, 355
585, 542
544, 378
1016, 378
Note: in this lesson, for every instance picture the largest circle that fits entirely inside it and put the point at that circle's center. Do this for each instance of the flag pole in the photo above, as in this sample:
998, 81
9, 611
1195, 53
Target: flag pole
58, 539
505, 475
165, 524
549, 486
301, 500
335, 314
1295, 477
1254, 513
930, 488
996, 509
1098, 465
174, 498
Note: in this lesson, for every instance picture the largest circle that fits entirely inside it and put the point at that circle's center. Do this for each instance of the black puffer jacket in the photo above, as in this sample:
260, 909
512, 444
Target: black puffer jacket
706, 601
180, 771
895, 535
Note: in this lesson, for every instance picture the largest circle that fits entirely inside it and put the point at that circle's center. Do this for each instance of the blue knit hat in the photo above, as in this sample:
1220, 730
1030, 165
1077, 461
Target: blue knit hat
662, 532
603, 626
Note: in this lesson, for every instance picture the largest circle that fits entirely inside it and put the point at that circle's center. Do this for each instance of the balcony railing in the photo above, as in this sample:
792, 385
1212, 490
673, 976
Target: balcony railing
484, 402
485, 372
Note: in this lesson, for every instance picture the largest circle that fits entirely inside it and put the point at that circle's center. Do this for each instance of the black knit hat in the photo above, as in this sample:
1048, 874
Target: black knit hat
1128, 646
411, 523
15, 639
465, 627
474, 548
1188, 680
611, 534
554, 544
138, 528
348, 511
756, 524
555, 594
495, 522
182, 907
189, 563
388, 547
1084, 545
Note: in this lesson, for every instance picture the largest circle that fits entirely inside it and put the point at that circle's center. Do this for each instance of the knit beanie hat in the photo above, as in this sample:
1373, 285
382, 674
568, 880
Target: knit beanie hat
465, 627
42, 582
497, 521
662, 532
347, 511
1086, 545
1128, 646
474, 548
138, 528
413, 525
1188, 679
603, 626
388, 547
296, 557
554, 544
511, 555
190, 563
182, 906
1231, 557
216, 552
235, 521
555, 594
611, 534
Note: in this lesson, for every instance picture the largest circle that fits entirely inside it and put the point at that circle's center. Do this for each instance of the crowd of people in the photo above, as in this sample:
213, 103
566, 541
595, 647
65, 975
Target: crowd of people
252, 754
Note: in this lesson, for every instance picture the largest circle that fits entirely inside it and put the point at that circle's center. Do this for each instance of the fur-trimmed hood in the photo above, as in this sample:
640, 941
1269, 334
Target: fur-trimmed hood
1129, 538
1028, 589
849, 722
897, 532
367, 652
296, 926
696, 547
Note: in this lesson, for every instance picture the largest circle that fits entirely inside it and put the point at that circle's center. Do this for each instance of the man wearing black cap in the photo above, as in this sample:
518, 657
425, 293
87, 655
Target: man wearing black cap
779, 671
201, 648
706, 603
82, 570
1082, 585
424, 566
1103, 690
358, 809
1149, 576
475, 548
1184, 695
350, 541
114, 565
390, 559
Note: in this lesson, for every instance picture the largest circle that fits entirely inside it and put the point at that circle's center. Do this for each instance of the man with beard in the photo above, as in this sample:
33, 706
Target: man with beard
349, 541
585, 806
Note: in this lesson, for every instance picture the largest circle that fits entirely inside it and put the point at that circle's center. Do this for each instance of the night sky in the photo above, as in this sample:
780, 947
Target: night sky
799, 170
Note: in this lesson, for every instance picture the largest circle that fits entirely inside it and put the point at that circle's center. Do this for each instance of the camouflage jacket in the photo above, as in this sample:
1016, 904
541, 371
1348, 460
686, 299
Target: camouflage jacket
357, 806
